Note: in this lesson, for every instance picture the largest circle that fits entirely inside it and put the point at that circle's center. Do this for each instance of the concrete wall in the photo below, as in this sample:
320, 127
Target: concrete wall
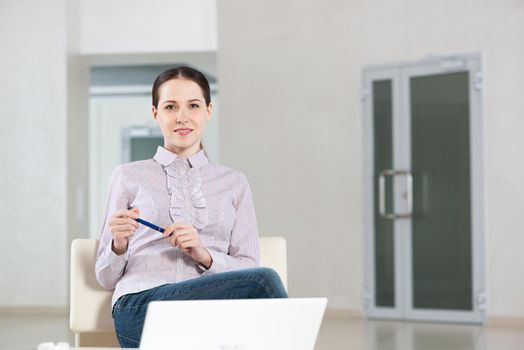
33, 153
291, 119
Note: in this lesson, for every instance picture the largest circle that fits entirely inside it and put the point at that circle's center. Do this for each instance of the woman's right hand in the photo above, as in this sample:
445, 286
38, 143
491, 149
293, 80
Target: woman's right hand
123, 226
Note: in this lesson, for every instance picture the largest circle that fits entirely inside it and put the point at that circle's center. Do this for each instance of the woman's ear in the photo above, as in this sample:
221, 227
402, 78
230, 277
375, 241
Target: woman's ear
209, 111
154, 112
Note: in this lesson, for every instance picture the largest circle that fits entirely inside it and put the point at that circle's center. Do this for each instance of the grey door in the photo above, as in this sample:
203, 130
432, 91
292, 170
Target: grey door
423, 191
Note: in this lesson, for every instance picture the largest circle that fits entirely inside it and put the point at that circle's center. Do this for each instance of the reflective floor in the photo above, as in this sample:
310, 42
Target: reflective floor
338, 331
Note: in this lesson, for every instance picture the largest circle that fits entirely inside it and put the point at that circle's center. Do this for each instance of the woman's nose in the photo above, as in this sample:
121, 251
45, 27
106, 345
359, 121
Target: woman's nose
181, 117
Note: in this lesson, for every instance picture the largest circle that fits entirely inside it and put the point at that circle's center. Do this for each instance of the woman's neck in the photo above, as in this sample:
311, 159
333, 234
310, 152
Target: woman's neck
183, 152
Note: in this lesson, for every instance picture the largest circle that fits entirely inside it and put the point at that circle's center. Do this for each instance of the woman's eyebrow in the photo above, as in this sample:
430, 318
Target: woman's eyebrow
174, 101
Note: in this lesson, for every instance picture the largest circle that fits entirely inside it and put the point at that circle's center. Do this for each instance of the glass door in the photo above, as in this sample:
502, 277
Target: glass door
383, 292
423, 212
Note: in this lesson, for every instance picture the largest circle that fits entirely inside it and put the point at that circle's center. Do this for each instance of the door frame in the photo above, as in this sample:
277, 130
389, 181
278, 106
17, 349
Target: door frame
400, 74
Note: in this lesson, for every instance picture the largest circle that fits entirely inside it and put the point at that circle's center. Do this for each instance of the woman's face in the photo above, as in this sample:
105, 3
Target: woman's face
182, 114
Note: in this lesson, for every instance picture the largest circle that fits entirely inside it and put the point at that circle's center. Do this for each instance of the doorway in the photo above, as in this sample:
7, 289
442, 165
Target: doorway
423, 190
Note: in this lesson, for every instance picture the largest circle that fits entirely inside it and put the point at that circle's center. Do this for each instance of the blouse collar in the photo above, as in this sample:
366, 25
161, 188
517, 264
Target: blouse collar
166, 158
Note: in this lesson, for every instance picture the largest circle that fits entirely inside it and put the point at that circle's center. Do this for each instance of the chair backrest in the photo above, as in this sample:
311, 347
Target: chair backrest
90, 305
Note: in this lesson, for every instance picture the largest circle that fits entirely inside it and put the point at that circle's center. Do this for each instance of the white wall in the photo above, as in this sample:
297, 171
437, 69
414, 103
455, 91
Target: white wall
291, 119
130, 26
33, 153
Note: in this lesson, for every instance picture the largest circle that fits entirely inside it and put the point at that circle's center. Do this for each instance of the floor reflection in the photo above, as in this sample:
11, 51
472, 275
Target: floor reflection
346, 332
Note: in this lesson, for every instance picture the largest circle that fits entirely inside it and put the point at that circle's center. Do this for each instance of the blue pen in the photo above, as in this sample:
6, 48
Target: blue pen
150, 225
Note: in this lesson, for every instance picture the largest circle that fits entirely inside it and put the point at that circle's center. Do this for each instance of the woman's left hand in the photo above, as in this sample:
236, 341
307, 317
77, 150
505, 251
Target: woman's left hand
185, 237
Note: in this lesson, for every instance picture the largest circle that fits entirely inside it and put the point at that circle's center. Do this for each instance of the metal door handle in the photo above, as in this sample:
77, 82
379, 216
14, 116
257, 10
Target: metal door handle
382, 194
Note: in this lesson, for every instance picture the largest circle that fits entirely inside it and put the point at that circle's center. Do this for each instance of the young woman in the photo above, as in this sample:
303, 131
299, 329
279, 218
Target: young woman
209, 249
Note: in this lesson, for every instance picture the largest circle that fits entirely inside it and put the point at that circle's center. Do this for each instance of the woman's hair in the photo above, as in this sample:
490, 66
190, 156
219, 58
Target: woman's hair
182, 73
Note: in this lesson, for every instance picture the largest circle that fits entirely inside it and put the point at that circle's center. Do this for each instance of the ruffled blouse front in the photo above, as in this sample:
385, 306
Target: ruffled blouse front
184, 184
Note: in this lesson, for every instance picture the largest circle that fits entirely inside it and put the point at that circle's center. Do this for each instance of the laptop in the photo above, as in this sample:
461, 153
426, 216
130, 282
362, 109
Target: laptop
240, 324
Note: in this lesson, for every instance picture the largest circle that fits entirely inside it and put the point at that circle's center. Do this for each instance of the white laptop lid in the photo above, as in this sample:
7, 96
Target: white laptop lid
247, 324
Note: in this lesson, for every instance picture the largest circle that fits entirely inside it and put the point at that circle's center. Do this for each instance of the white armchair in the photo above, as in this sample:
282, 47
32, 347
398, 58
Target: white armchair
90, 305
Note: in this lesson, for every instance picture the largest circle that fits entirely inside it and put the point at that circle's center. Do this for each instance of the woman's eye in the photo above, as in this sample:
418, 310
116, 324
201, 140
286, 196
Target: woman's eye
170, 107
194, 106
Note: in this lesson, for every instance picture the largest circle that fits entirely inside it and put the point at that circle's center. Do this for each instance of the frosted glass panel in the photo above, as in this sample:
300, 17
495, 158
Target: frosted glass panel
440, 155
383, 159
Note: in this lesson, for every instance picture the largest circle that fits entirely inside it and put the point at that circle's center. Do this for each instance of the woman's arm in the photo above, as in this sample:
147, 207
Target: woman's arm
244, 245
109, 266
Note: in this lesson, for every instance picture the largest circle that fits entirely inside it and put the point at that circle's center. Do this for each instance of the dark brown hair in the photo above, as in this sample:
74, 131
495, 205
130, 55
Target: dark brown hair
182, 73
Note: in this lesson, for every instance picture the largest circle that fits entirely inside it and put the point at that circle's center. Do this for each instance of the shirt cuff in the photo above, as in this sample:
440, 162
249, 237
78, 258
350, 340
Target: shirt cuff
217, 264
117, 262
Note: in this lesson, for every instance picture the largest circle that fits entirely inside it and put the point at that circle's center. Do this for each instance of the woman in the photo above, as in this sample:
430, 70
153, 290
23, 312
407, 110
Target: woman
209, 249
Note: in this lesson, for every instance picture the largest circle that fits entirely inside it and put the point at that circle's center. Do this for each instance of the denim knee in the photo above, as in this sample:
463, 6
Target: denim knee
126, 342
270, 279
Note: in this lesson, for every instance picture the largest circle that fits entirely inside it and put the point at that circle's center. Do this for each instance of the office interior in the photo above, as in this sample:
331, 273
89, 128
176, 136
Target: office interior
381, 139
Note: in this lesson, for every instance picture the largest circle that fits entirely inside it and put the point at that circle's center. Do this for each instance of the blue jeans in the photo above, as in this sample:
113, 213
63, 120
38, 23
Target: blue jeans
129, 310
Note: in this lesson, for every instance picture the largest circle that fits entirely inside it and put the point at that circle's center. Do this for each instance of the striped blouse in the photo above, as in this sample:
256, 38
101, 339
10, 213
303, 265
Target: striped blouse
215, 199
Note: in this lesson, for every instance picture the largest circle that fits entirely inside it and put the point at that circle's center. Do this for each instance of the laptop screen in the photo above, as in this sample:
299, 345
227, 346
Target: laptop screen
246, 324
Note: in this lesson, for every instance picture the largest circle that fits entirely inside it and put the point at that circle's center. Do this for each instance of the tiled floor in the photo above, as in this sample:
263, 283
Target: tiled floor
338, 331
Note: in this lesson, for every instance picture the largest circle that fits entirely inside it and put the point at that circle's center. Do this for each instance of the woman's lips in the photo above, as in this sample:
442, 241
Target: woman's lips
183, 132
